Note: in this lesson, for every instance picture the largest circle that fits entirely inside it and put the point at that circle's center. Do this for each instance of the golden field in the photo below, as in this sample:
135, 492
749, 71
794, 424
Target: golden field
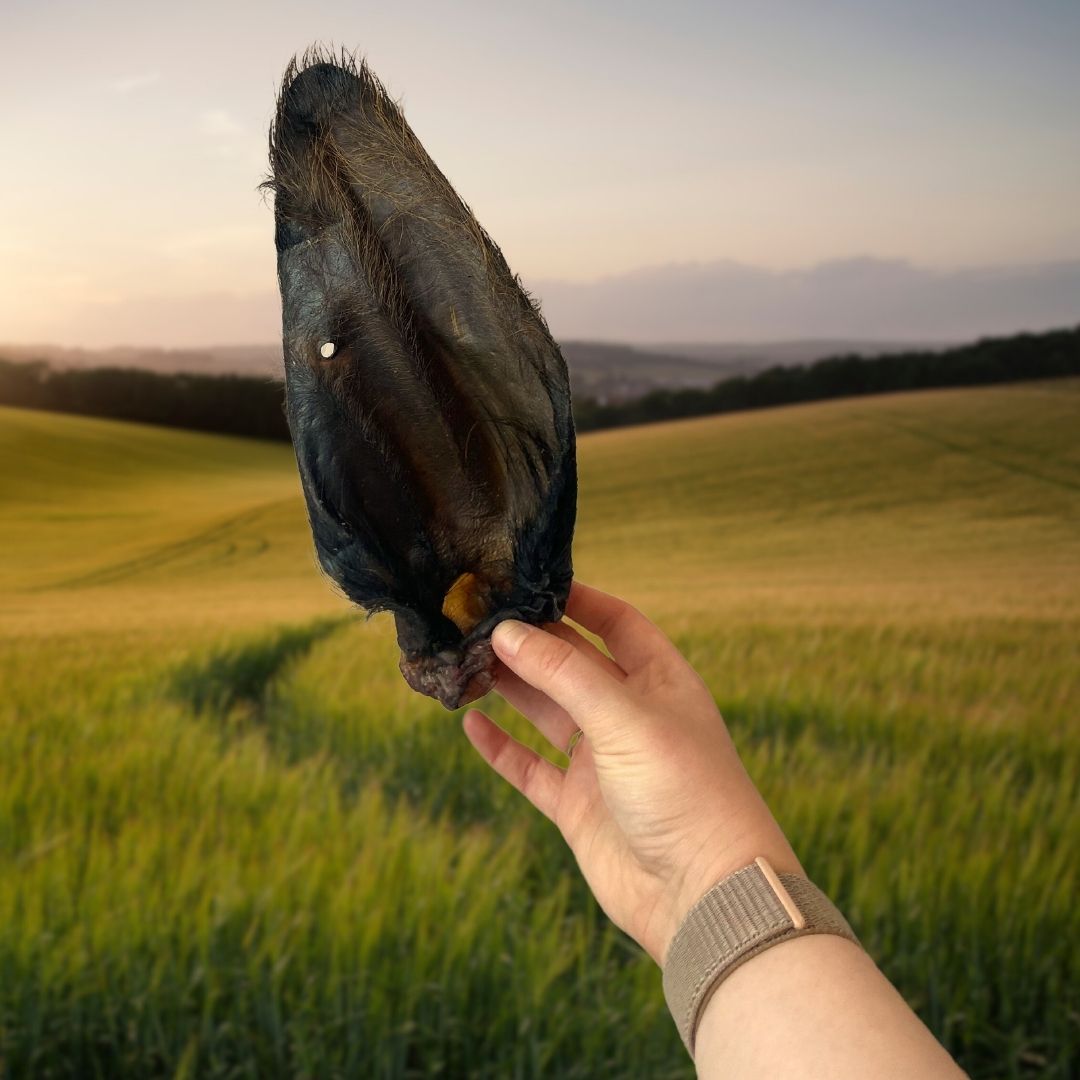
233, 843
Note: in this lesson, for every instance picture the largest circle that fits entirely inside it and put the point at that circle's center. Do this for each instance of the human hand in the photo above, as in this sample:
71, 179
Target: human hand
655, 803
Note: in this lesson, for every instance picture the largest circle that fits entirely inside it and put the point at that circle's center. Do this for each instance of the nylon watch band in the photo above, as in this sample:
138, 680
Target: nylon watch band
739, 917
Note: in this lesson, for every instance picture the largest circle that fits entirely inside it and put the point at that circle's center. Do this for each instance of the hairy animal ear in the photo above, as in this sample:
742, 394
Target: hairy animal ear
429, 405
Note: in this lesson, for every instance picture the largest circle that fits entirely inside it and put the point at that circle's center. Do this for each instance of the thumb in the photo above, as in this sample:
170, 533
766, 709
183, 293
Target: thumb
593, 698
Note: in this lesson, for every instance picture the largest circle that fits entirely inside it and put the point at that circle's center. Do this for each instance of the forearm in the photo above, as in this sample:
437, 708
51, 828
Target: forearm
658, 809
815, 1006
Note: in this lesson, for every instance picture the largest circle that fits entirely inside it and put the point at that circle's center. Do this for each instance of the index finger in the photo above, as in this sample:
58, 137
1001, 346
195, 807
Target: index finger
594, 699
633, 639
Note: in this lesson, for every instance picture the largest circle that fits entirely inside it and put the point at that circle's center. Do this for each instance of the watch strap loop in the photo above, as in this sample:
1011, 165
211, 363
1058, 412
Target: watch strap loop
742, 915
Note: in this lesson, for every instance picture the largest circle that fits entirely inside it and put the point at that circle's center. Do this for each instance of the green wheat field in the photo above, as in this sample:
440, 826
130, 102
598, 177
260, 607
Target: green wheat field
234, 844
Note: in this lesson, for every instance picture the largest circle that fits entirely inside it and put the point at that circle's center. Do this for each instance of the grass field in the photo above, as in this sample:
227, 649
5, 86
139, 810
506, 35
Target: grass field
233, 843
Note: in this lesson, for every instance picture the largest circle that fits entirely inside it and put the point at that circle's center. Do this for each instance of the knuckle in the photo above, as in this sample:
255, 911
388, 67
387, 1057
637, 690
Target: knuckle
500, 756
608, 624
552, 658
622, 614
527, 776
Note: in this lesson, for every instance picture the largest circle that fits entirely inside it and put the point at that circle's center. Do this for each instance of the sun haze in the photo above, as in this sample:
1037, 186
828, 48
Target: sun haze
590, 140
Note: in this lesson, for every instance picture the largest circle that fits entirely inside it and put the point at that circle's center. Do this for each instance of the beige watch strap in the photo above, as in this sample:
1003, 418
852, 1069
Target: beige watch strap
740, 916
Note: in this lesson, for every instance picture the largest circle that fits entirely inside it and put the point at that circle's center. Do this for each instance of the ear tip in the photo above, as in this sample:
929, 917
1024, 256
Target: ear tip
319, 84
311, 95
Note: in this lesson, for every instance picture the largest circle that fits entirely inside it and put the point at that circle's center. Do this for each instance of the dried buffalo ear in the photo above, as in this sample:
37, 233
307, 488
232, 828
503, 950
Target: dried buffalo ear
428, 404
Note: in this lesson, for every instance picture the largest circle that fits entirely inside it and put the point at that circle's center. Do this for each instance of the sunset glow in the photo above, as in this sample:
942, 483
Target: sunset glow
590, 140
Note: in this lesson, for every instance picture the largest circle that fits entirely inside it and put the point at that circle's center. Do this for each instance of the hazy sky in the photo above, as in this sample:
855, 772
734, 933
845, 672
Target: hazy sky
589, 138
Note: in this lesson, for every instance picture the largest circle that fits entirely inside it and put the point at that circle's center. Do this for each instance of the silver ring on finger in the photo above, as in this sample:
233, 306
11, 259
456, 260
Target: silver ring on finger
571, 746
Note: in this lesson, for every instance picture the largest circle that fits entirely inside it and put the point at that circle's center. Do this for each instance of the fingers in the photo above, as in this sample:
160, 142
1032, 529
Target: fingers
634, 640
535, 777
584, 645
551, 720
589, 693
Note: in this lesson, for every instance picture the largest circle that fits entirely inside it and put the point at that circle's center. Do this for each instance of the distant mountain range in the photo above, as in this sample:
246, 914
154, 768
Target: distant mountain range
860, 298
605, 371
679, 325
690, 310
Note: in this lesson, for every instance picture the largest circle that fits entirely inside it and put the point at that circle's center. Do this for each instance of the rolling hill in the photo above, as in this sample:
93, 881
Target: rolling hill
610, 371
233, 841
767, 498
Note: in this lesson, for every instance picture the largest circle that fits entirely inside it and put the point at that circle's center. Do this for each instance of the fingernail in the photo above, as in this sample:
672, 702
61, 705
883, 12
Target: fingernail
508, 636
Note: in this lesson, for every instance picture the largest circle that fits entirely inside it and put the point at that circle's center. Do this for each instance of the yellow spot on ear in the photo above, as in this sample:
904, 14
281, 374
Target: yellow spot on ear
466, 602
456, 327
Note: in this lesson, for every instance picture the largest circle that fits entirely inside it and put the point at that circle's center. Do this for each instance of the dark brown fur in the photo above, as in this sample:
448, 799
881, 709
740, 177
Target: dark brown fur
436, 447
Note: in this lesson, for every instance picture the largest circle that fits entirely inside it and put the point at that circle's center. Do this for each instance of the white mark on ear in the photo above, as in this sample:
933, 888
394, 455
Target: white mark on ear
327, 349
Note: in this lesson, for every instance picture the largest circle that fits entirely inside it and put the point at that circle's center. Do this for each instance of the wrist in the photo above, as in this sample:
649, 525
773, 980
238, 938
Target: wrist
746, 913
702, 874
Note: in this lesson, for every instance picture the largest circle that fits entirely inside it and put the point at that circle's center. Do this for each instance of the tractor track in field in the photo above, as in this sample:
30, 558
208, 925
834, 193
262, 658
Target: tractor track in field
221, 533
902, 425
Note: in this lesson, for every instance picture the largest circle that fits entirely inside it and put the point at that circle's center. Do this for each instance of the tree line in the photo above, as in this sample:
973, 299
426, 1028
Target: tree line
991, 360
244, 405
227, 404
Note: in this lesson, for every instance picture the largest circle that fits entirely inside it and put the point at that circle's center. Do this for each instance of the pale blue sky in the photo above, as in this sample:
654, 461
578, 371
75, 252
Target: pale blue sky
590, 139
